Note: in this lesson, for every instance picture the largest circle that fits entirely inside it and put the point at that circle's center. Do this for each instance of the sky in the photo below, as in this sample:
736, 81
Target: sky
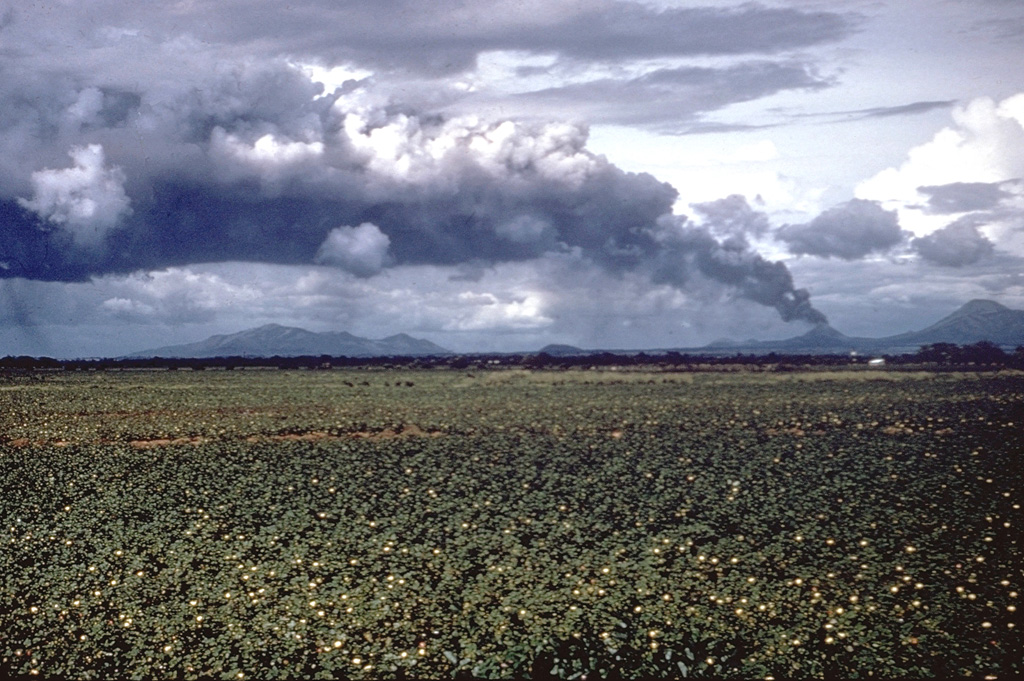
496, 175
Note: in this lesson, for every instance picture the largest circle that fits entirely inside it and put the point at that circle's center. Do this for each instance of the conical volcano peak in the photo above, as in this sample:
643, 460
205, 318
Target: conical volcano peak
824, 330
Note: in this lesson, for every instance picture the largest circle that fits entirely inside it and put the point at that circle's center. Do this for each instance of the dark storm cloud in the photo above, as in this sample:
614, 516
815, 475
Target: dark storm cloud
963, 197
848, 231
253, 166
956, 245
676, 95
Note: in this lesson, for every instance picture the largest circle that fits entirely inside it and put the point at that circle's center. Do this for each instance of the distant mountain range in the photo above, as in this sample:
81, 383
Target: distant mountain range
978, 320
290, 341
975, 321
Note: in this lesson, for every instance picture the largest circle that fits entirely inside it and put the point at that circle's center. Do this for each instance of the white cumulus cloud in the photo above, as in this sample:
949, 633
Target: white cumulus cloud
361, 250
87, 199
985, 145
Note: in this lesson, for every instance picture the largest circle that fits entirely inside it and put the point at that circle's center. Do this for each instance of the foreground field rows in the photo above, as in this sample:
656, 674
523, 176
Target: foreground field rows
376, 523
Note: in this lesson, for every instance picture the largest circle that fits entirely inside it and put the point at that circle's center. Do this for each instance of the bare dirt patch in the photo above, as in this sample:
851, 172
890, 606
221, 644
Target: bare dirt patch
411, 430
299, 437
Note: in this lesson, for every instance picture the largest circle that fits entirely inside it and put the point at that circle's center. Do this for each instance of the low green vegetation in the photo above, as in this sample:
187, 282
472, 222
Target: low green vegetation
500, 524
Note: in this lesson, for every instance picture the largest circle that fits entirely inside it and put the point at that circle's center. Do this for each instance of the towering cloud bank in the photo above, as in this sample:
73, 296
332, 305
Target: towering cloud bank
422, 190
195, 154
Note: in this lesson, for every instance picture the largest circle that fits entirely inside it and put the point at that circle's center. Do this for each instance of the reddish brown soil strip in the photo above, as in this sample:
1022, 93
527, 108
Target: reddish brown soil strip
166, 442
386, 434
300, 437
407, 431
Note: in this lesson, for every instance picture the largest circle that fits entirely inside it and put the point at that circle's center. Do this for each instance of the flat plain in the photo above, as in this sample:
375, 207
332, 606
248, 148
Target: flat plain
507, 523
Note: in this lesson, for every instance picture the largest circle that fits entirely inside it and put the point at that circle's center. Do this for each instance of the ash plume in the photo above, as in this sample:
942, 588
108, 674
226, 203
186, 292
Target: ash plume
260, 164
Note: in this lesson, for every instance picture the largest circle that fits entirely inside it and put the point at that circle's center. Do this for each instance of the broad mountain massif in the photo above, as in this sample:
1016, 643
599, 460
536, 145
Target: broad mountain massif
290, 341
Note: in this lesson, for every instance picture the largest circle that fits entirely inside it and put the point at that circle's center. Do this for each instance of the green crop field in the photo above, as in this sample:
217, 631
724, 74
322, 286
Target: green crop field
501, 524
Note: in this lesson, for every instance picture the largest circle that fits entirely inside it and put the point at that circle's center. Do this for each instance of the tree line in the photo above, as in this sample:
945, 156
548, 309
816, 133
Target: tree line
982, 354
